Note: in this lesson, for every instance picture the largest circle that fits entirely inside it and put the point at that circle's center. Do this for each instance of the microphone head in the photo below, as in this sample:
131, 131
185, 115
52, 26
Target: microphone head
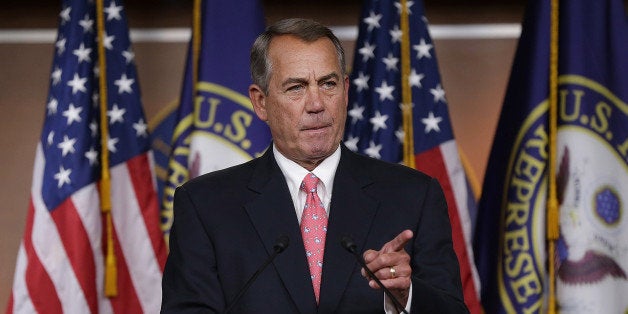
348, 244
281, 243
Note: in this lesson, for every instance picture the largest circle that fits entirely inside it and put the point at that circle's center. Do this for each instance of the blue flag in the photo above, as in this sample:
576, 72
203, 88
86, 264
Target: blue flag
215, 126
591, 163
374, 124
161, 129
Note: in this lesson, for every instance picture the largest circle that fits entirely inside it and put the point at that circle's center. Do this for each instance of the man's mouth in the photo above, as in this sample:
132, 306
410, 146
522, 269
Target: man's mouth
315, 128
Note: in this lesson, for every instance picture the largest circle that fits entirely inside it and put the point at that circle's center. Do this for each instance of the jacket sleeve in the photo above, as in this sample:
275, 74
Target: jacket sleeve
436, 285
190, 282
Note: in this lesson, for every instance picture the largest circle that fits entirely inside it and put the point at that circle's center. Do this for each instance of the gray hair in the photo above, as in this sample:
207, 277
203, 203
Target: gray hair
304, 29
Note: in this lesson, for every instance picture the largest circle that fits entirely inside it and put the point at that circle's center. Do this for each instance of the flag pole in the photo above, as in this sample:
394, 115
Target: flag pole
196, 44
552, 202
111, 272
406, 91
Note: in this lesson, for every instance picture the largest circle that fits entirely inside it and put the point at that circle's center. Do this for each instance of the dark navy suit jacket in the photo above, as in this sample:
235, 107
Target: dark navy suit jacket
226, 223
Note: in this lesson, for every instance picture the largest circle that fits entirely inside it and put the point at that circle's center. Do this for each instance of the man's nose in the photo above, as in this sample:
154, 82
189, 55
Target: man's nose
314, 100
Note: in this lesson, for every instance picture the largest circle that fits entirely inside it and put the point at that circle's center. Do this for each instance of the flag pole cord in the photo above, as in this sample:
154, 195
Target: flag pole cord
111, 271
552, 203
406, 91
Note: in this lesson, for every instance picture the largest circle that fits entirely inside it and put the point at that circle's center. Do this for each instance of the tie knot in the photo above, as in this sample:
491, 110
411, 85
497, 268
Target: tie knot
309, 183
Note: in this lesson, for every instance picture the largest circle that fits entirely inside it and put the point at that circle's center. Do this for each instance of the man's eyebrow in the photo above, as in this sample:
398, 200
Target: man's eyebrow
329, 76
299, 80
293, 80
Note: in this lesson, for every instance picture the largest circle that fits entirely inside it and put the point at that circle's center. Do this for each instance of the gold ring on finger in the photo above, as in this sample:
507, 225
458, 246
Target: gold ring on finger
393, 272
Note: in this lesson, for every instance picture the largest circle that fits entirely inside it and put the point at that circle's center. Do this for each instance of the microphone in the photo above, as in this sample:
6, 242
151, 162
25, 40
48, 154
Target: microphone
349, 245
280, 245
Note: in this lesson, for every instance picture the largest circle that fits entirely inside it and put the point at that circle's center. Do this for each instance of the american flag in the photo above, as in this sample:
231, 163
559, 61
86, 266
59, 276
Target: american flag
374, 123
61, 261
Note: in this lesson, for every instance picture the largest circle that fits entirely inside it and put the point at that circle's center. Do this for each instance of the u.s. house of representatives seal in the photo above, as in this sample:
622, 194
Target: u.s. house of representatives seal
593, 175
592, 188
219, 131
226, 130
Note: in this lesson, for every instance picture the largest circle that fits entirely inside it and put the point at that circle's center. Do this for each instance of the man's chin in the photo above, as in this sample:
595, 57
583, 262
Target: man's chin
322, 150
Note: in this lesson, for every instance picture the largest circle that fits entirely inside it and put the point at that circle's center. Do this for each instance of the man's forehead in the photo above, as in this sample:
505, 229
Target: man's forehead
280, 42
285, 49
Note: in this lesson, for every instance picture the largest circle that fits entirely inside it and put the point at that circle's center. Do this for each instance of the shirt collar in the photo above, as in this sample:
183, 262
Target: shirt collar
294, 173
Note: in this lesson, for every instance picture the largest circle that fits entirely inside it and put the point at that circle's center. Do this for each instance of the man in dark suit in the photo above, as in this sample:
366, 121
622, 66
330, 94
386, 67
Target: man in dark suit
227, 222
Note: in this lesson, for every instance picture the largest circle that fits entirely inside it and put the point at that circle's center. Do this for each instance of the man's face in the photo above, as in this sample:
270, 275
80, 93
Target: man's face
306, 103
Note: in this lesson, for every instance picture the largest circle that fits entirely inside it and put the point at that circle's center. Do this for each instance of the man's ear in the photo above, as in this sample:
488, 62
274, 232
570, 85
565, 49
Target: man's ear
346, 90
258, 100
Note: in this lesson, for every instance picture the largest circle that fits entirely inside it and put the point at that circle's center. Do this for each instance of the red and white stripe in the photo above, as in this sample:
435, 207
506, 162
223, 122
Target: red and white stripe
443, 163
60, 264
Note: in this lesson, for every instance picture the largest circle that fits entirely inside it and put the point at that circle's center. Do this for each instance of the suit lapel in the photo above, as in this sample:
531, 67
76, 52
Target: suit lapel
352, 213
272, 215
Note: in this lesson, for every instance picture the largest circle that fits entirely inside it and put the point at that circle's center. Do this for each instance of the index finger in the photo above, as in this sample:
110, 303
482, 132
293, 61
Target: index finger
398, 242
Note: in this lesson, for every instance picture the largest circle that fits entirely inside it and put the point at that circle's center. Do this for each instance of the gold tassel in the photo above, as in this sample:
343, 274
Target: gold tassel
111, 269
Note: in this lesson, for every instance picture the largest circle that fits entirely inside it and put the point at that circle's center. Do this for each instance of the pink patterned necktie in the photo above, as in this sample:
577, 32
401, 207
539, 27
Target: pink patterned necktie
313, 230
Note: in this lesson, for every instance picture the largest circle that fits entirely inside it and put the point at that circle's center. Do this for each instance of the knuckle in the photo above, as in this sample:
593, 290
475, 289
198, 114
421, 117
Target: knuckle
386, 259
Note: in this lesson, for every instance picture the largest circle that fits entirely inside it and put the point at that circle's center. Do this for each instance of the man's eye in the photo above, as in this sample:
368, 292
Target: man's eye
295, 88
329, 84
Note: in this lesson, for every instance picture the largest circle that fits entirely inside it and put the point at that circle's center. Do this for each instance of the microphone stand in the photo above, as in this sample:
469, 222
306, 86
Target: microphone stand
280, 245
350, 246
